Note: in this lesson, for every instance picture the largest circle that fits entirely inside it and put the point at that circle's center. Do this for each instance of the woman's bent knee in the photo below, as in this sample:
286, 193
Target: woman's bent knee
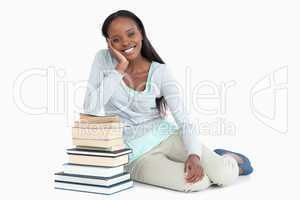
202, 184
227, 173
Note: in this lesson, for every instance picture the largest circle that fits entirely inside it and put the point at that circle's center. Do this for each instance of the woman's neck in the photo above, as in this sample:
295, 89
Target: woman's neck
140, 64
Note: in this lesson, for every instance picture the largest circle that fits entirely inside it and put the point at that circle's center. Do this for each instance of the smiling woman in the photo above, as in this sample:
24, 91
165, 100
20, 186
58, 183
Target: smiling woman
125, 37
129, 79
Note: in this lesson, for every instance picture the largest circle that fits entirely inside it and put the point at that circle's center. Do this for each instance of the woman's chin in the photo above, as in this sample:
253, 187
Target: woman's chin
131, 57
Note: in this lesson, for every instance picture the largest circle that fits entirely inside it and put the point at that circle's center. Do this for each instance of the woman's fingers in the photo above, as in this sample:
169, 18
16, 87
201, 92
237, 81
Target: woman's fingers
110, 48
192, 174
188, 172
191, 178
193, 170
108, 43
201, 175
195, 173
118, 55
196, 176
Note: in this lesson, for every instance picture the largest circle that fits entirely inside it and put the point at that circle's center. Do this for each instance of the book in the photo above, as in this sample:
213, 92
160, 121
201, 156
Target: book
94, 188
97, 143
98, 160
78, 151
96, 134
92, 180
90, 170
86, 124
111, 148
99, 119
96, 164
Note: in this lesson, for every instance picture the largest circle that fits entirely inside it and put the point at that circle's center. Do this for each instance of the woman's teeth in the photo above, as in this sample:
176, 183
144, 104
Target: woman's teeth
129, 50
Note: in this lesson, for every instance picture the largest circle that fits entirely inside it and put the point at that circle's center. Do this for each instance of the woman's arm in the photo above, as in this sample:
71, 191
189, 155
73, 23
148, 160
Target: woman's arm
102, 83
171, 91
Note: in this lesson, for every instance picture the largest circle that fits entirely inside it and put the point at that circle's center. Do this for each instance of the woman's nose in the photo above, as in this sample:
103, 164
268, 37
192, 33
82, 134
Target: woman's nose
125, 42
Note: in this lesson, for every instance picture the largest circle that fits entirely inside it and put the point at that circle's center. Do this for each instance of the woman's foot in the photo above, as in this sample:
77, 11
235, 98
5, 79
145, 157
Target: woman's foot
244, 164
238, 159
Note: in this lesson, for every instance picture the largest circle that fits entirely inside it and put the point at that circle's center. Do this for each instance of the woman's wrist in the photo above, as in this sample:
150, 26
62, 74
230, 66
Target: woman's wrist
121, 67
194, 156
120, 71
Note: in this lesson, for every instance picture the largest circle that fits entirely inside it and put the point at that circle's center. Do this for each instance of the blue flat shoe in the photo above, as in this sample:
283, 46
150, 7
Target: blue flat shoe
245, 166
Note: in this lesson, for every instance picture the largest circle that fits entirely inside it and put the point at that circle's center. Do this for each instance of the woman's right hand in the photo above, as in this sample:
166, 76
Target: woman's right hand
122, 61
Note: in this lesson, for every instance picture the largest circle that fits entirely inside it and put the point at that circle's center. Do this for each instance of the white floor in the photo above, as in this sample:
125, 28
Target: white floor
202, 41
244, 188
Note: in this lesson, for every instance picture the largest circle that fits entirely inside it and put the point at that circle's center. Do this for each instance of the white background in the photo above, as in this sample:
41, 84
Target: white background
219, 41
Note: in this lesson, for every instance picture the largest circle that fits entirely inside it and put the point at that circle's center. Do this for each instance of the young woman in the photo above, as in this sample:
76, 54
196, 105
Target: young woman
129, 79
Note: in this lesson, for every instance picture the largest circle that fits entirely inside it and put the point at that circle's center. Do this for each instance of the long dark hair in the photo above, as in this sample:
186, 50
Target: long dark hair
147, 50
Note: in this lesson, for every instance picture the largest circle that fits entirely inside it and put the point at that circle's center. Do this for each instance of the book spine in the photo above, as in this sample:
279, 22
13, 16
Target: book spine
114, 125
98, 161
96, 134
97, 143
112, 148
99, 119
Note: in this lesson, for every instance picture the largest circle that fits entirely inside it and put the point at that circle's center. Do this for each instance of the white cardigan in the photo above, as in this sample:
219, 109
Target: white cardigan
108, 92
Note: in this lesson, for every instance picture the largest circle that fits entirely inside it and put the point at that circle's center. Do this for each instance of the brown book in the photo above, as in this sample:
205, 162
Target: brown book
112, 148
86, 124
97, 143
98, 160
99, 119
96, 134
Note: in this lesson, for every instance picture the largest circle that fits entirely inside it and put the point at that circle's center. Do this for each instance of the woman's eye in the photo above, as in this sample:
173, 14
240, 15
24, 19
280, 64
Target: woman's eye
131, 34
115, 40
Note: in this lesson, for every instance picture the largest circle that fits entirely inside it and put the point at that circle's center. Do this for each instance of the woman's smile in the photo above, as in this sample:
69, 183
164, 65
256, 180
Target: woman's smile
129, 50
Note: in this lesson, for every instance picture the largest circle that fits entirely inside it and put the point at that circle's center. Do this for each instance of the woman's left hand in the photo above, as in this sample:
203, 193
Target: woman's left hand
193, 169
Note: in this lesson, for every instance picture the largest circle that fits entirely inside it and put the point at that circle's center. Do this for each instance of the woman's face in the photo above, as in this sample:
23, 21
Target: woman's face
125, 37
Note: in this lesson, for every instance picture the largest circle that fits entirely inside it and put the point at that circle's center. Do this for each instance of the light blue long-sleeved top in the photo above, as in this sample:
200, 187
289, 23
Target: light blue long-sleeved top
144, 127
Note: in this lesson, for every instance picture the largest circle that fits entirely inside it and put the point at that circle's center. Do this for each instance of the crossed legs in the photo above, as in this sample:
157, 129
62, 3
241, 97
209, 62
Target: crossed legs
163, 166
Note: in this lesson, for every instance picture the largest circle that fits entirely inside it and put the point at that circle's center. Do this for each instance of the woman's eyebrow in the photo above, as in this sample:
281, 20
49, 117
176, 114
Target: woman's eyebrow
129, 29
126, 31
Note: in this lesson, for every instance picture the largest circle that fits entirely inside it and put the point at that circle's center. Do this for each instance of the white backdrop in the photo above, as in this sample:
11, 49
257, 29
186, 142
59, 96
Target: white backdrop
239, 58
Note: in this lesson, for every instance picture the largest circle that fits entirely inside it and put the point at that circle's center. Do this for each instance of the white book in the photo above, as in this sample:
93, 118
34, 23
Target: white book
102, 161
101, 126
89, 170
111, 148
94, 188
92, 180
92, 152
96, 134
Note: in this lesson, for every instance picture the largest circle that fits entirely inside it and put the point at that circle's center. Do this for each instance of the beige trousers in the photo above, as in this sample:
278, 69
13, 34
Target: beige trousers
163, 166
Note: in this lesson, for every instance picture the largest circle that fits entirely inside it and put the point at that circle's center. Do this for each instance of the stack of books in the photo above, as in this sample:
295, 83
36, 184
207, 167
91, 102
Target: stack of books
96, 164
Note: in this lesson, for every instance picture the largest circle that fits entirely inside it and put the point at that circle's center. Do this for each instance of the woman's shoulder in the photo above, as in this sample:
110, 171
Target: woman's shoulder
161, 69
161, 73
104, 58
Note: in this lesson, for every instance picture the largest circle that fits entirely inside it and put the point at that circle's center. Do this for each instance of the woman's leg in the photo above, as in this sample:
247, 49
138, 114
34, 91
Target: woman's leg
156, 168
221, 170
164, 166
